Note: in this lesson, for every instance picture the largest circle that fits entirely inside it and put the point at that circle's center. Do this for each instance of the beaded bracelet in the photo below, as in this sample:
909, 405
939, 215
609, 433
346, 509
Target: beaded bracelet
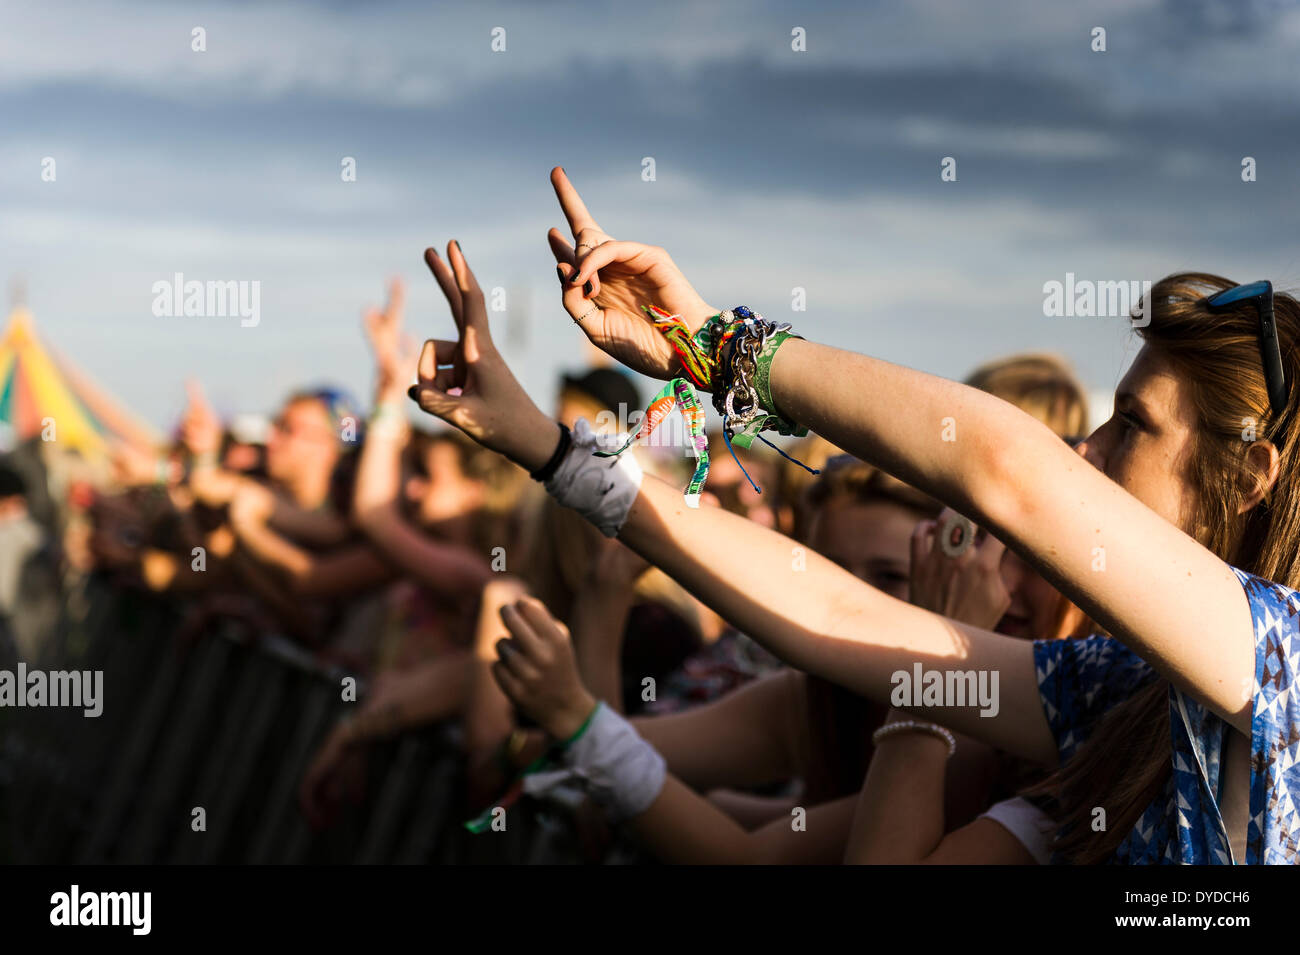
906, 726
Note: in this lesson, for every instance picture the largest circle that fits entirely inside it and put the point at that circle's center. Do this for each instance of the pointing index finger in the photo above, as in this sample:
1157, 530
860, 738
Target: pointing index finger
571, 203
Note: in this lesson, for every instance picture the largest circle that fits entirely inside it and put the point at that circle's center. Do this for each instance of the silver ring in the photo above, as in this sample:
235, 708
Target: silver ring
956, 535
586, 315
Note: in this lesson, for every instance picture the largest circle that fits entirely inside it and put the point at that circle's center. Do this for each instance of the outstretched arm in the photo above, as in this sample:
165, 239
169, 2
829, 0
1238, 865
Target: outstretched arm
1175, 603
537, 670
441, 566
900, 814
812, 613
974, 452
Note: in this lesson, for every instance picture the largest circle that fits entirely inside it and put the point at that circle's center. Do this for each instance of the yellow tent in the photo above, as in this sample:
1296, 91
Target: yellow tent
41, 394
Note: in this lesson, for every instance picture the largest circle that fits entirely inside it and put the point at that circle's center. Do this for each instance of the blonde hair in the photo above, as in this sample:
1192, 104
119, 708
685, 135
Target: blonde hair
1041, 385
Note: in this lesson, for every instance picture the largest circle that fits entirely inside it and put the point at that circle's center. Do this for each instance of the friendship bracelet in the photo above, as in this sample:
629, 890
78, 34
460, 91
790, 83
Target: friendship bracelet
731, 354
677, 393
907, 726
547, 470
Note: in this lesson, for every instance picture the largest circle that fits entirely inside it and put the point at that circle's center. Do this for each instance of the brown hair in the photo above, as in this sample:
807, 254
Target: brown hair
1126, 761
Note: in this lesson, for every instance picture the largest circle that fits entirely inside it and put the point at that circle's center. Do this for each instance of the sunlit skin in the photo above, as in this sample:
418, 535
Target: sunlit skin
1143, 447
1146, 444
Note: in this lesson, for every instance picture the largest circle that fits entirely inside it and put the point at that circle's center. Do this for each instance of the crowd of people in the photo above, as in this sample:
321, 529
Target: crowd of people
944, 624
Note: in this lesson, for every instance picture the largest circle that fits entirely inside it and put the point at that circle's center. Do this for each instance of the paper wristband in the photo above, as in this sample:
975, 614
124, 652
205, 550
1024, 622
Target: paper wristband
624, 773
601, 489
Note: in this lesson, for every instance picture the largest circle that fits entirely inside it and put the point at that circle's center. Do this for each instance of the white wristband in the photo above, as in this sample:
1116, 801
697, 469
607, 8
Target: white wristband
624, 773
600, 489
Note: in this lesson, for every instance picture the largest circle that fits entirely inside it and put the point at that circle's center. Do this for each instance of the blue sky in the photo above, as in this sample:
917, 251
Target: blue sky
774, 169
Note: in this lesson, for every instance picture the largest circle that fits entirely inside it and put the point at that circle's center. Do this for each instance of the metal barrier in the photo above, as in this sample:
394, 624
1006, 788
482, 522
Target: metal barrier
227, 722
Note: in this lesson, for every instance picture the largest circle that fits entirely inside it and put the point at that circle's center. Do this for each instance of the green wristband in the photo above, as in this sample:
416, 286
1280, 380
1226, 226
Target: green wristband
763, 372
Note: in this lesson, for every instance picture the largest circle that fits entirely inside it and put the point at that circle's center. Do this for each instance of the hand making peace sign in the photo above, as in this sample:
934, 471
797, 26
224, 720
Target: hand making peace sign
468, 384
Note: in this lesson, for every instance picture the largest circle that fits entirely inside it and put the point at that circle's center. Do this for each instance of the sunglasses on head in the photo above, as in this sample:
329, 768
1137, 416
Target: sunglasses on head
1260, 294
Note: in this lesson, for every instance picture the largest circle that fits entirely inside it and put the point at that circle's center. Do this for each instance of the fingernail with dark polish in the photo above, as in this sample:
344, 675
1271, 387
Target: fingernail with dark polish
413, 392
587, 288
574, 277
560, 272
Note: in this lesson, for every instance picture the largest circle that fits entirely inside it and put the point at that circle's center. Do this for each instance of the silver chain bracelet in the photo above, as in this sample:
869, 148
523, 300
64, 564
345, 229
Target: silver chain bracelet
737, 399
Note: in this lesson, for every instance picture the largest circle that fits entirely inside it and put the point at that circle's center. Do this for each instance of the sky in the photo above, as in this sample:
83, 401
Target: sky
774, 169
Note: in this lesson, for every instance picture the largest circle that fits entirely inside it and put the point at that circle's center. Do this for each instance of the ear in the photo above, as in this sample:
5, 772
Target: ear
1263, 464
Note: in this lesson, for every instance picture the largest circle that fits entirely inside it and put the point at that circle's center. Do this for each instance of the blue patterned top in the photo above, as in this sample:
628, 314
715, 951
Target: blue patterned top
1079, 680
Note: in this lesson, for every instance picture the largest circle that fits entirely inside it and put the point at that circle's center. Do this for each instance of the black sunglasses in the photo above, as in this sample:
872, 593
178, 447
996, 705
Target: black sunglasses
1261, 294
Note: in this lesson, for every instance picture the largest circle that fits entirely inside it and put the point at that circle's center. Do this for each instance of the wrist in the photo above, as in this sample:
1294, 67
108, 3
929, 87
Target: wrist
566, 723
539, 441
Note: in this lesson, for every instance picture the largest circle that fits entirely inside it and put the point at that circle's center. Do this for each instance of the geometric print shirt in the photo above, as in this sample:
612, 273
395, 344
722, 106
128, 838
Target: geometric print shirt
1079, 680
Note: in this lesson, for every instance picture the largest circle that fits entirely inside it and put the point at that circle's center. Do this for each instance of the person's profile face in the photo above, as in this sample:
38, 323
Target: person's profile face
1147, 443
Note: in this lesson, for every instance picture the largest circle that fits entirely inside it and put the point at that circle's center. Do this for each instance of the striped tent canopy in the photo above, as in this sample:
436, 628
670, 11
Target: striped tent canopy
37, 386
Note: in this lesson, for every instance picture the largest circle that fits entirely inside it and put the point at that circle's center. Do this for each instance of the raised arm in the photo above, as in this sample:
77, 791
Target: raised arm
900, 813
538, 672
812, 613
441, 566
974, 452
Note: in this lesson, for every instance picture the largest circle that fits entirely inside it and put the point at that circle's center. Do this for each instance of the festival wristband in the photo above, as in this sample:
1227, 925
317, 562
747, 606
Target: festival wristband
763, 380
624, 773
601, 489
